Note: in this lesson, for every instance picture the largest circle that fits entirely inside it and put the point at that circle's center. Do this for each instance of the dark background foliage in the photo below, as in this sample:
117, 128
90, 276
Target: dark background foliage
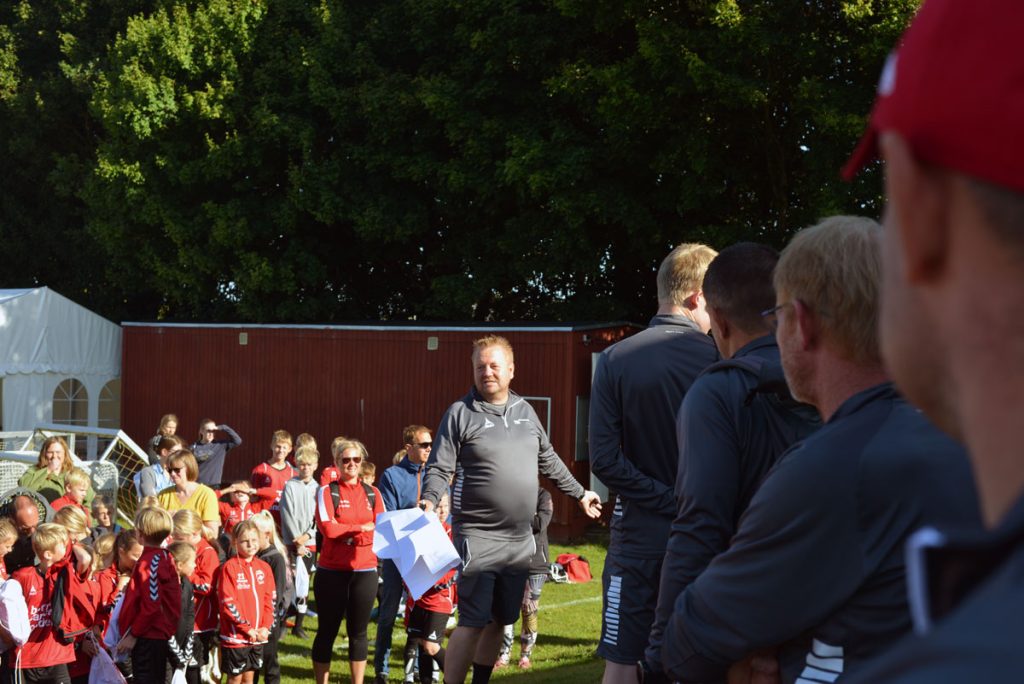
320, 160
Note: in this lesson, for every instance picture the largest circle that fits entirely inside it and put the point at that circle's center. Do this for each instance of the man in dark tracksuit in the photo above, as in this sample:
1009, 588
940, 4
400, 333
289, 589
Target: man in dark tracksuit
816, 566
947, 124
493, 443
400, 487
638, 386
732, 426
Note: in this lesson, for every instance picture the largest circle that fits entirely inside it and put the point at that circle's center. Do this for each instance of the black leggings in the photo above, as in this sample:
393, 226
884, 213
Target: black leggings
343, 594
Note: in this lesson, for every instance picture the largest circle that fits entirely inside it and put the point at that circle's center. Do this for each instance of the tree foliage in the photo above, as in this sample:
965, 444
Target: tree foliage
321, 160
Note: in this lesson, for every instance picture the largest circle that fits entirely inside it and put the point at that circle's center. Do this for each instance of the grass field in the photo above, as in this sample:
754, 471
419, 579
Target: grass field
570, 624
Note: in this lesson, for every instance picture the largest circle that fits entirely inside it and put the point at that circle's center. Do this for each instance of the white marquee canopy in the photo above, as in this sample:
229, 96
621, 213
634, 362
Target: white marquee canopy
53, 350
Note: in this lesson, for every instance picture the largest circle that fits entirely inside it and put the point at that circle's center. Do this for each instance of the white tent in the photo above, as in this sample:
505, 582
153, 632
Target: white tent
59, 362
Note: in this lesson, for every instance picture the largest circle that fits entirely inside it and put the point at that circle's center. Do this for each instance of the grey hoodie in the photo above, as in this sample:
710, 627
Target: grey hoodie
495, 453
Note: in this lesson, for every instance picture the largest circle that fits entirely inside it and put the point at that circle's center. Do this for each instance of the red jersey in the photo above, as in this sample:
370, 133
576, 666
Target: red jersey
83, 662
330, 474
203, 593
265, 476
440, 598
152, 599
42, 649
346, 546
246, 594
106, 594
66, 500
232, 514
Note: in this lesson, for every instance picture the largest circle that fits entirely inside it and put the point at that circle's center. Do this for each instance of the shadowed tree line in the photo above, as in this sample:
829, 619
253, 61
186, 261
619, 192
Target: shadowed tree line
323, 160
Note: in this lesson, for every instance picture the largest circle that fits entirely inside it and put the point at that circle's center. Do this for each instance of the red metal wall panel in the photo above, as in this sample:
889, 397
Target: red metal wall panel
363, 383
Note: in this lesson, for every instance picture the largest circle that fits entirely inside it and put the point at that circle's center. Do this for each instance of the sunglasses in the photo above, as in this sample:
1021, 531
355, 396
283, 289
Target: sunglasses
424, 445
351, 459
179, 469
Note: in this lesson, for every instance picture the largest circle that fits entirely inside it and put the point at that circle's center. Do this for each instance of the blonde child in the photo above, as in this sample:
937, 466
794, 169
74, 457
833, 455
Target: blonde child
44, 657
298, 529
103, 517
8, 535
368, 472
151, 609
180, 648
246, 592
74, 520
188, 527
76, 488
268, 478
273, 553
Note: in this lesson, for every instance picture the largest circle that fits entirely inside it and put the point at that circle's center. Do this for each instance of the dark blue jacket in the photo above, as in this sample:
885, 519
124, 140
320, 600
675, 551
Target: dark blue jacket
817, 562
638, 386
968, 600
730, 434
400, 485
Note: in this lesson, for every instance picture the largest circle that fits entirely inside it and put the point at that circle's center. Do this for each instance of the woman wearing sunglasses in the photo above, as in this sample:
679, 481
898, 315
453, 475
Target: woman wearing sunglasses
345, 583
186, 492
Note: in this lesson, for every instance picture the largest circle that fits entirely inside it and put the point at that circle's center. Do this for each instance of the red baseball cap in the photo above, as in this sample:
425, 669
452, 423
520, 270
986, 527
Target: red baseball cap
954, 88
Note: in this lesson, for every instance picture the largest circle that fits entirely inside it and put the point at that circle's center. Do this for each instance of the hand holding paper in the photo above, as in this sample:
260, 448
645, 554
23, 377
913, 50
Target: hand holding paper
418, 545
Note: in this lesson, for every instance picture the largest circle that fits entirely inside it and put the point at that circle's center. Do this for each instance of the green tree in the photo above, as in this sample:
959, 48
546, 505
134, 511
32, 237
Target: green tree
438, 159
49, 53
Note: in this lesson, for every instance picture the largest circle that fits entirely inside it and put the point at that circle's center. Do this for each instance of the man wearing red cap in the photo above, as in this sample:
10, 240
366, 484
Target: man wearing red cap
949, 124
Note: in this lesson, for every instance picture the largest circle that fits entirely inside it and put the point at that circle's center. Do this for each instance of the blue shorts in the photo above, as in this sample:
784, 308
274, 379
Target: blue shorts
630, 596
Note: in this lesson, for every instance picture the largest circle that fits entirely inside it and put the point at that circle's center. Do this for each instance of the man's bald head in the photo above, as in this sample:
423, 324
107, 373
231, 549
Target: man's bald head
26, 514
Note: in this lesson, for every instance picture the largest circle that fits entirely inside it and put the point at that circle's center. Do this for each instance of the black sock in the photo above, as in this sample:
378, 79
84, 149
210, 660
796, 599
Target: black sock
439, 658
482, 673
426, 667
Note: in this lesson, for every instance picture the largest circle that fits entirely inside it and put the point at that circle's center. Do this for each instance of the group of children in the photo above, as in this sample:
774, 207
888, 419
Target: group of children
159, 598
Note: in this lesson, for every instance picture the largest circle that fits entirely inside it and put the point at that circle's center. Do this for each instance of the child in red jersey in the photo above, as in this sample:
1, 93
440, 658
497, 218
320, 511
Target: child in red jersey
76, 486
331, 472
114, 576
188, 527
430, 613
274, 472
245, 503
45, 656
87, 644
151, 608
8, 535
246, 593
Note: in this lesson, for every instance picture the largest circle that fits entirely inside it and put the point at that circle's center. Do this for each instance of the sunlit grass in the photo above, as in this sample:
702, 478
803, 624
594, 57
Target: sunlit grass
570, 624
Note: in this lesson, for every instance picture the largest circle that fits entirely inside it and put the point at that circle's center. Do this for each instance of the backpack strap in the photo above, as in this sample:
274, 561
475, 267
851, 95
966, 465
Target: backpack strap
371, 495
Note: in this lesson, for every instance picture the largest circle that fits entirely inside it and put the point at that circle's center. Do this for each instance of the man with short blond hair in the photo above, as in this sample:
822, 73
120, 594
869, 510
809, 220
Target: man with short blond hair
493, 443
947, 123
816, 565
638, 386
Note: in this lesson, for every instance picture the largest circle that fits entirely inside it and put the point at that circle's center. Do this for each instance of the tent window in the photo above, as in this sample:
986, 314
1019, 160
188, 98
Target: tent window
110, 405
71, 403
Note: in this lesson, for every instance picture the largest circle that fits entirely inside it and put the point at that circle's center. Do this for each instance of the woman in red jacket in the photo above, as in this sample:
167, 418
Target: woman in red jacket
345, 583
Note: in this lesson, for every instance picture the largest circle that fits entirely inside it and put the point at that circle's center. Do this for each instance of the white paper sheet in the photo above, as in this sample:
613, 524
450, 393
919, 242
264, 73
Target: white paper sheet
418, 545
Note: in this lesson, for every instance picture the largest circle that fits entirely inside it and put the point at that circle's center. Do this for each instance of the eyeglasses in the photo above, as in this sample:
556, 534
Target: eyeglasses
772, 315
179, 469
345, 460
424, 445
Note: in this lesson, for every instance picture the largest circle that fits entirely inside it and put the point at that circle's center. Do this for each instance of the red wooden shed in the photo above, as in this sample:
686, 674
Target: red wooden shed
363, 381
